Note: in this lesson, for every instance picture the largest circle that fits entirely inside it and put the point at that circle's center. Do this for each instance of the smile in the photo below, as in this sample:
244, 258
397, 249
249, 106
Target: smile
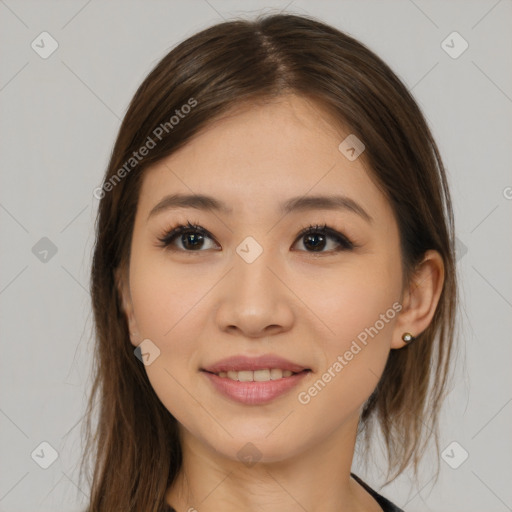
255, 387
256, 376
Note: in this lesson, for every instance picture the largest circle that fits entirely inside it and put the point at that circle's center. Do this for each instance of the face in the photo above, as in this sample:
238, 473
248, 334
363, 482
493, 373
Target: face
249, 288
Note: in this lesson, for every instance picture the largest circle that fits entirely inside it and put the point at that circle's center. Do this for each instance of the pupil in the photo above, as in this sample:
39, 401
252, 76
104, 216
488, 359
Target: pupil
194, 238
315, 246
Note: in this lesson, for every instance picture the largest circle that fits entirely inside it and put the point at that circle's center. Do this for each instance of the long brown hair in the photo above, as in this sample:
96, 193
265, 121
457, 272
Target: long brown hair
133, 444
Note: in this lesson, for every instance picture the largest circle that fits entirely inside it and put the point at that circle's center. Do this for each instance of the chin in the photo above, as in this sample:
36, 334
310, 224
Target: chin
251, 449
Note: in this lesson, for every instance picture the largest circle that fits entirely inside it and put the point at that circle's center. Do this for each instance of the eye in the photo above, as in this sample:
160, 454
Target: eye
191, 236
316, 238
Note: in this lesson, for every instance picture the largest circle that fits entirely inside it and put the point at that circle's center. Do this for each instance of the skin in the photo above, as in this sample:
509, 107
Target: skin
201, 306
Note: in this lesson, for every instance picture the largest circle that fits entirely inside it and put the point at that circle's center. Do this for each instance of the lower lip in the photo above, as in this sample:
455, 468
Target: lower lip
254, 393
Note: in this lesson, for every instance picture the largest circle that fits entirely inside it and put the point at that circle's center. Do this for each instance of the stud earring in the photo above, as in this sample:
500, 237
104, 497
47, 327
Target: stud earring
407, 337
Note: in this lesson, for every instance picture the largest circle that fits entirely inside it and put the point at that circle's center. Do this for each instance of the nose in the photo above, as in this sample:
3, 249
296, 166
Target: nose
253, 299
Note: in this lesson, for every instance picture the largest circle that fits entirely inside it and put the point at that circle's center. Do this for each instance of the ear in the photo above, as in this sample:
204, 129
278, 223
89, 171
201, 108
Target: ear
123, 290
420, 299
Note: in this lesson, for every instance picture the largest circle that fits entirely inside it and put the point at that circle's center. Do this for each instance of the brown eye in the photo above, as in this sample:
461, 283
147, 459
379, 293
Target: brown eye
194, 238
191, 237
315, 238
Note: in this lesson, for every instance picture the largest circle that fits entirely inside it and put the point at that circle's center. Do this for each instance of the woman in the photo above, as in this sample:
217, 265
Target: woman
273, 276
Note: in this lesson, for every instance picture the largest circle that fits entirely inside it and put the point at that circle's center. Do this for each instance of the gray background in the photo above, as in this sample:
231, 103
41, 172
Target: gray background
59, 118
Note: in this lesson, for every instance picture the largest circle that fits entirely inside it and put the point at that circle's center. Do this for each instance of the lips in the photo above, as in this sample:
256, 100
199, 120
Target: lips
254, 380
245, 363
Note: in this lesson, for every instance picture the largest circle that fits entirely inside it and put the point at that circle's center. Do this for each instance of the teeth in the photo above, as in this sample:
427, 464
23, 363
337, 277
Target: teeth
245, 376
258, 375
276, 373
261, 375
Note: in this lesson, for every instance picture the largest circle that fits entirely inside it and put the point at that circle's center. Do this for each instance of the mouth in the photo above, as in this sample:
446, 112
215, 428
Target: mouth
254, 380
263, 375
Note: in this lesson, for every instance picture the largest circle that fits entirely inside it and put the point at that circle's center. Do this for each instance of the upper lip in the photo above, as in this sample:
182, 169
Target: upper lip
241, 363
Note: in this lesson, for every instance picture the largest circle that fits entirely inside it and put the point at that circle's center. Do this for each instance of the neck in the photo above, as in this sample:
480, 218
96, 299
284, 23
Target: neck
317, 479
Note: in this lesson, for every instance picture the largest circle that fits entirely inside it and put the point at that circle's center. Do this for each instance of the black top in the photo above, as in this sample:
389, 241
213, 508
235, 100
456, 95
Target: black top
385, 504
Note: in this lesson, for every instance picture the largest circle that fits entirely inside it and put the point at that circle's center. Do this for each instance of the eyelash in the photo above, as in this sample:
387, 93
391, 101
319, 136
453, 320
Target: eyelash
172, 233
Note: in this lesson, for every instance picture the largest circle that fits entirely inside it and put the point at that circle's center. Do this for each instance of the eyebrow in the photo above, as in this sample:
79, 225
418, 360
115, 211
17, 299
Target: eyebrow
301, 203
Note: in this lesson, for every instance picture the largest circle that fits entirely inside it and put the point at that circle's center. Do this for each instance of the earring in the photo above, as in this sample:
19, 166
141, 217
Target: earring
407, 337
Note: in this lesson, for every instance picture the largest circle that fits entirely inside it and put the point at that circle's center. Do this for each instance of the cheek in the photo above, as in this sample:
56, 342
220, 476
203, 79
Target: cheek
362, 318
355, 297
164, 297
360, 306
169, 311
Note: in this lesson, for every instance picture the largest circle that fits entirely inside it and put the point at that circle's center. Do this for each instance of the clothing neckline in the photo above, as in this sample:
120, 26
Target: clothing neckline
384, 503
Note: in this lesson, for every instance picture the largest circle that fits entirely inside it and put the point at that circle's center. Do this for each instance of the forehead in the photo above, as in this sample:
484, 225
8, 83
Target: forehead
259, 156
